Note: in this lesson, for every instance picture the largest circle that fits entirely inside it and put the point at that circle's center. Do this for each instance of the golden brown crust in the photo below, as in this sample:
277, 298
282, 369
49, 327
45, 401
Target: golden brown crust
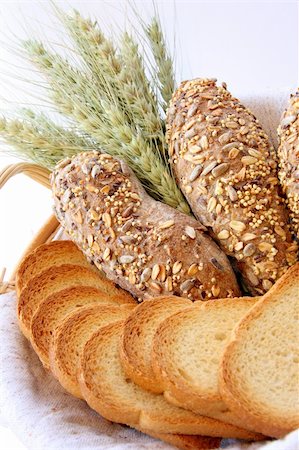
261, 415
288, 155
143, 245
55, 308
138, 333
71, 335
44, 257
226, 168
56, 279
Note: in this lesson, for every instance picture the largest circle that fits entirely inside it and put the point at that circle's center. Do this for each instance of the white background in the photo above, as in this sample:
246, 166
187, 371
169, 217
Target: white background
253, 46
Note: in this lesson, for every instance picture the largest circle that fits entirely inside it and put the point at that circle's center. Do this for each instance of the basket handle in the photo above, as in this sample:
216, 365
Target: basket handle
49, 229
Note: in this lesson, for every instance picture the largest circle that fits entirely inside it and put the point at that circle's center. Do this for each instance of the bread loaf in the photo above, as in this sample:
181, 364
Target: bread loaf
288, 154
225, 166
108, 391
146, 247
259, 372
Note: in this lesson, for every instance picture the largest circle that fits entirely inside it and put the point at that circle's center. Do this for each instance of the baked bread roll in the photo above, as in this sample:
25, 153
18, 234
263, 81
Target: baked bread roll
288, 154
225, 166
146, 247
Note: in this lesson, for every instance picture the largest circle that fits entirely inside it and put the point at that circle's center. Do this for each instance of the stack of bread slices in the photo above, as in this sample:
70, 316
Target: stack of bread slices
186, 373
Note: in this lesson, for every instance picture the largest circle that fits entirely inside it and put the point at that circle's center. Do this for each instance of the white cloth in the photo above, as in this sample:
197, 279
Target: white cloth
43, 416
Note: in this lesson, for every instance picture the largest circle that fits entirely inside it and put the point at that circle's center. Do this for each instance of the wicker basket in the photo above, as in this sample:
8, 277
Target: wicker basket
49, 229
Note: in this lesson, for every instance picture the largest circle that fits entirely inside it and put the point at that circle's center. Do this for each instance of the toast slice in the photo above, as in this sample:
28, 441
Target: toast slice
186, 354
185, 441
108, 390
138, 333
71, 335
45, 256
56, 279
259, 376
55, 308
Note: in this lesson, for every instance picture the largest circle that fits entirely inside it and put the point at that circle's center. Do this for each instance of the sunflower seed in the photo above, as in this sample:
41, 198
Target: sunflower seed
126, 226
176, 267
220, 170
233, 153
155, 271
94, 215
232, 125
188, 189
252, 278
248, 160
225, 137
195, 173
232, 193
85, 169
215, 291
224, 234
231, 145
193, 269
265, 247
155, 286
248, 237
280, 231
126, 259
238, 226
107, 219
127, 239
204, 143
166, 224
66, 196
132, 278
267, 284
168, 284
187, 285
209, 168
95, 171
249, 249
194, 149
192, 110
90, 240
106, 254
211, 204
146, 274
190, 133
238, 246
190, 231
128, 211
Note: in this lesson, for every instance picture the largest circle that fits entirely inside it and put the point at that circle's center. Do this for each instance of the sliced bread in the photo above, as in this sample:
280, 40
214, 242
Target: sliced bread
187, 351
259, 376
108, 390
138, 333
185, 441
45, 256
71, 335
55, 308
56, 279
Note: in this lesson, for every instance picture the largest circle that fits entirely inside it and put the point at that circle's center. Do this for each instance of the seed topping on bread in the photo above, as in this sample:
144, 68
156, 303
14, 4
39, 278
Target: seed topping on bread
227, 169
134, 239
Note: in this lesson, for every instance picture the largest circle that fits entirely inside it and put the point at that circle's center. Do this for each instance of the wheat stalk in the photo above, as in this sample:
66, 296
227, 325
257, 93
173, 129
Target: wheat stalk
37, 138
99, 115
163, 61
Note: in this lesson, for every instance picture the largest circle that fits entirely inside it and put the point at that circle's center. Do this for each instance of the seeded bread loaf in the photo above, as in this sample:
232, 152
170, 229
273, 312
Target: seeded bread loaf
186, 354
56, 279
70, 336
108, 391
146, 247
288, 154
45, 256
52, 311
258, 377
225, 166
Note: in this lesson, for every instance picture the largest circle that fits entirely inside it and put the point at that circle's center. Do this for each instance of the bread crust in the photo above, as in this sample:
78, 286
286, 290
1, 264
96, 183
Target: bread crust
225, 166
106, 389
135, 355
71, 335
52, 311
56, 279
146, 247
44, 257
241, 400
288, 156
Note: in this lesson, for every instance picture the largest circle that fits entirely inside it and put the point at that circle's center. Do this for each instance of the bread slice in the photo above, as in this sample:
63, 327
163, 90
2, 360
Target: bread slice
55, 308
138, 333
56, 279
71, 335
45, 256
185, 441
259, 376
108, 390
187, 351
